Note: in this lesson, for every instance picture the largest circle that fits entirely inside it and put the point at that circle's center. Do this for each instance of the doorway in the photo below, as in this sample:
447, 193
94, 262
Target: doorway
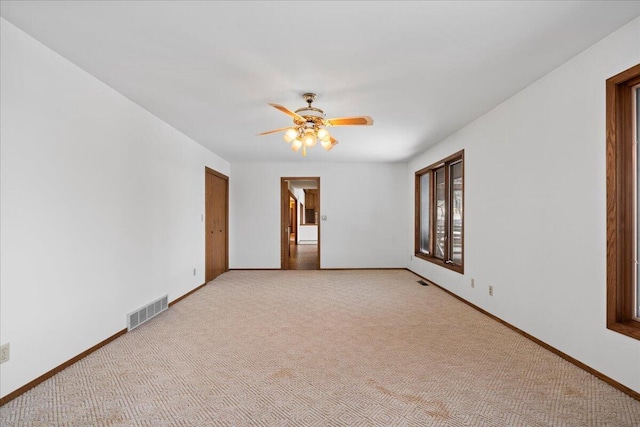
216, 224
300, 241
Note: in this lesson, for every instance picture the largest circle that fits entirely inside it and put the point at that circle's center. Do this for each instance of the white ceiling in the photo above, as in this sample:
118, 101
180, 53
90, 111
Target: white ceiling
422, 70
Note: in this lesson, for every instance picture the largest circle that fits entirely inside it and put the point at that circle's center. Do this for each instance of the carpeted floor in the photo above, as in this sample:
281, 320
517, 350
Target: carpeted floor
322, 348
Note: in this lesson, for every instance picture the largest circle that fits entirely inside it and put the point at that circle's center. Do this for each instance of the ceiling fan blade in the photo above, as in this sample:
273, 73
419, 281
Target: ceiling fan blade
351, 121
288, 112
273, 131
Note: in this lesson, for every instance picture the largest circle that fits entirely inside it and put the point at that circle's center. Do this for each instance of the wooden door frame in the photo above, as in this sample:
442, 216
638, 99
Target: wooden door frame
295, 214
208, 170
284, 212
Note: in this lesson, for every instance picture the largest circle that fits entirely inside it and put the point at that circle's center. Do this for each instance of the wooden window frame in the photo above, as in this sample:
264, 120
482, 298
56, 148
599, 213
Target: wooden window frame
621, 204
446, 262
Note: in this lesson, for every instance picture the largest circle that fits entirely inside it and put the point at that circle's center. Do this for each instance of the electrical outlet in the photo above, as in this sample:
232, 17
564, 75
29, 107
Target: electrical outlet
4, 353
490, 290
194, 271
473, 283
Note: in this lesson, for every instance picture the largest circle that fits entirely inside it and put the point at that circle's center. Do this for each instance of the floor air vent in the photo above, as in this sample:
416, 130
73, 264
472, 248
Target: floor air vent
145, 313
423, 283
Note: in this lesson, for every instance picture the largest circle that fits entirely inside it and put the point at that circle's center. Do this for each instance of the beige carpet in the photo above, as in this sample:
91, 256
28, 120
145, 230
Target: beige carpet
322, 348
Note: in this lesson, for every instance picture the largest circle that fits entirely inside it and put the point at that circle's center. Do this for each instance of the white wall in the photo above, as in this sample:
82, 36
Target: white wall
307, 233
535, 225
364, 203
101, 207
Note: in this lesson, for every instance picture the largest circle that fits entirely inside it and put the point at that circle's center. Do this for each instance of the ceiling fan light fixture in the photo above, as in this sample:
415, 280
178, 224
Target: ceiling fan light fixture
309, 126
323, 134
309, 138
329, 144
290, 134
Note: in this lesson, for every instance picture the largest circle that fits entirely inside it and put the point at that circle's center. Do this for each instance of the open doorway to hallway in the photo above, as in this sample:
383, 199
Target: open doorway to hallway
300, 225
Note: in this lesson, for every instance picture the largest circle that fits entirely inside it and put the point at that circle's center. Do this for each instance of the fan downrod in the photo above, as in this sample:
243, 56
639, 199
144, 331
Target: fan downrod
309, 98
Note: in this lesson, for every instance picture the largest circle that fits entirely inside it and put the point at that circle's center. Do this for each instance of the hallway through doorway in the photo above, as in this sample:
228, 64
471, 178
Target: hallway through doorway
302, 256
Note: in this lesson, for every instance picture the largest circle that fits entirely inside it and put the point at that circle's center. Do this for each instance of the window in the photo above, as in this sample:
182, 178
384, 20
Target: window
623, 291
439, 235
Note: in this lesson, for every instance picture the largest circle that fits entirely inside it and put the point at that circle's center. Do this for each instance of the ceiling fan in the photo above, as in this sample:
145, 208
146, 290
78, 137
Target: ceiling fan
310, 125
